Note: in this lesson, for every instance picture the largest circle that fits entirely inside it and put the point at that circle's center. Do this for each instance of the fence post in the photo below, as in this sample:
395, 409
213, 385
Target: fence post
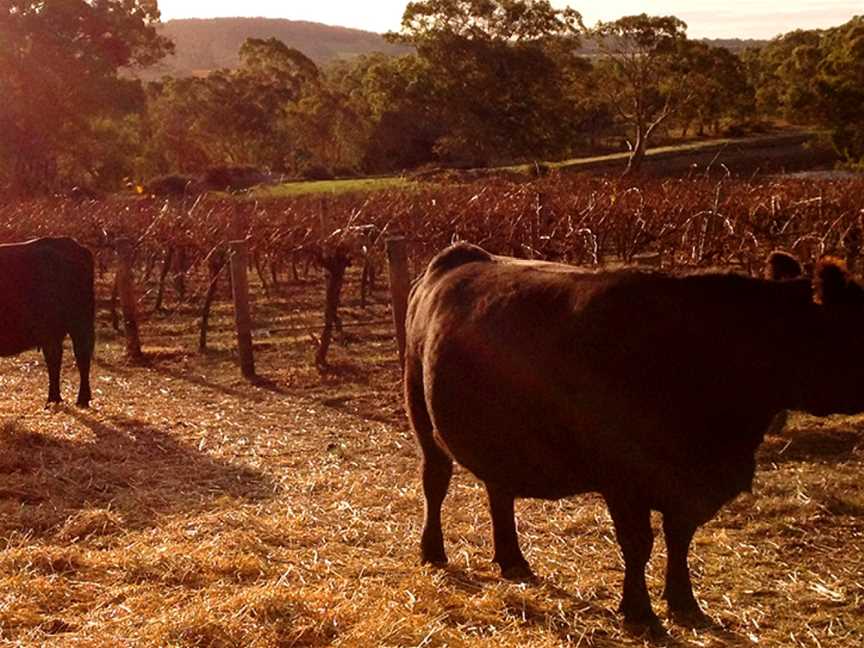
128, 299
400, 284
238, 227
242, 319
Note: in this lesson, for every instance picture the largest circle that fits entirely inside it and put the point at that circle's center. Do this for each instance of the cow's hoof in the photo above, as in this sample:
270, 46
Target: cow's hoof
645, 625
685, 611
640, 619
691, 617
434, 559
83, 404
53, 404
519, 573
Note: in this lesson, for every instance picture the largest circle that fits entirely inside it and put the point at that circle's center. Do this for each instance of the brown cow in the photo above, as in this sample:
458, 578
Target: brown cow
653, 390
46, 291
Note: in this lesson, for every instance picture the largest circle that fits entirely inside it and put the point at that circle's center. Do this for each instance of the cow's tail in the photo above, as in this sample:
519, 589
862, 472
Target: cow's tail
415, 399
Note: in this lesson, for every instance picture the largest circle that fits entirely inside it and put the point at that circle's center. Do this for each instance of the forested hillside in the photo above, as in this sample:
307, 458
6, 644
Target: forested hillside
205, 45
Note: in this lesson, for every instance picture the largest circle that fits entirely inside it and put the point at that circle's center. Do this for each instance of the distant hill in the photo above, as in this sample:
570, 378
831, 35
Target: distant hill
591, 48
736, 45
203, 45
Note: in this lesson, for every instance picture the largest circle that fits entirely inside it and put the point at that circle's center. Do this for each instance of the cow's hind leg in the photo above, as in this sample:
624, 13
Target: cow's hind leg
437, 470
82, 345
679, 590
52, 351
508, 555
632, 520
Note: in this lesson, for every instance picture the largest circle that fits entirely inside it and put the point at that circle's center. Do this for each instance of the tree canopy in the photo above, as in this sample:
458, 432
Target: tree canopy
59, 64
435, 23
473, 83
494, 73
816, 77
840, 87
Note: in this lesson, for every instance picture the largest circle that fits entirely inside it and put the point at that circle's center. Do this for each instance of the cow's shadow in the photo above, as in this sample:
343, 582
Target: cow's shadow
577, 615
813, 444
127, 470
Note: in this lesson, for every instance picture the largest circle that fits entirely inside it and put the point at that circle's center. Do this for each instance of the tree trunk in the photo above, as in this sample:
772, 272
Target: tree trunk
259, 270
215, 270
115, 295
180, 273
334, 265
274, 273
637, 155
163, 275
294, 274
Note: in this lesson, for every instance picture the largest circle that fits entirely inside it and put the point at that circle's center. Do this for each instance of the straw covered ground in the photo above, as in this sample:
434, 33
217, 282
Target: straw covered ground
191, 508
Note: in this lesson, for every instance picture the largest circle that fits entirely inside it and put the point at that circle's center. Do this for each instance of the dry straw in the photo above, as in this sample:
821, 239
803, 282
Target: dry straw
191, 508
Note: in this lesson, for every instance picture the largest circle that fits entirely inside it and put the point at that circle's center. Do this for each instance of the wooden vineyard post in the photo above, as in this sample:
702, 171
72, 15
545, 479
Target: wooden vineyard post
242, 319
400, 284
128, 299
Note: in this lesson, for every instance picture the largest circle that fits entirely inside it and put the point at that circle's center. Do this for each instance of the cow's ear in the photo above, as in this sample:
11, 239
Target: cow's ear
831, 281
781, 265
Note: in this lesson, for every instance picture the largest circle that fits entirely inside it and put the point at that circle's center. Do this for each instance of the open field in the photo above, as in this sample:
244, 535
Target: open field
775, 153
191, 508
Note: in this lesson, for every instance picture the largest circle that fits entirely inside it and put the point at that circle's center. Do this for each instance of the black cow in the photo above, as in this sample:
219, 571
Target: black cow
46, 291
653, 390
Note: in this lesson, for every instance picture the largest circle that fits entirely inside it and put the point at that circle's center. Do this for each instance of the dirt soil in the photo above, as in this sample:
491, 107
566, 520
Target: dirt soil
189, 507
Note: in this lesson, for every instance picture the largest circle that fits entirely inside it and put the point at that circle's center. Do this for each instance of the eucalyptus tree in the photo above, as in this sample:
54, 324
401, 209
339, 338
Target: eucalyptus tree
840, 88
646, 74
493, 75
60, 80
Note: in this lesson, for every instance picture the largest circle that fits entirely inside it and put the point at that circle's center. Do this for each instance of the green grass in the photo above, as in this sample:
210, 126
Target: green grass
350, 185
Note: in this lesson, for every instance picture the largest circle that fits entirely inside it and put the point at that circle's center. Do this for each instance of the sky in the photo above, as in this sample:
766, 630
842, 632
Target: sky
705, 18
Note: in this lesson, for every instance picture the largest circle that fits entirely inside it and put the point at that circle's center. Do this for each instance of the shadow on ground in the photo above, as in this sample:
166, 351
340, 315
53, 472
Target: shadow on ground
135, 470
815, 444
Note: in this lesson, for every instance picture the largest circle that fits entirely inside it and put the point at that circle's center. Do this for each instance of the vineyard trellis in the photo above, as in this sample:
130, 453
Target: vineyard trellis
583, 220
